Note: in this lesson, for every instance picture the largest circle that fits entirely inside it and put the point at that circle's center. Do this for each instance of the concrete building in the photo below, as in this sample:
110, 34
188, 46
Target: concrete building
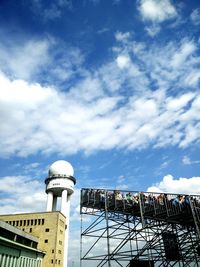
18, 248
50, 227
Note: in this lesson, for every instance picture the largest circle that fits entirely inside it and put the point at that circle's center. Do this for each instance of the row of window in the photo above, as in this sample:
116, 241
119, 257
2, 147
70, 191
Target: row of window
56, 261
26, 222
59, 251
46, 230
46, 241
30, 230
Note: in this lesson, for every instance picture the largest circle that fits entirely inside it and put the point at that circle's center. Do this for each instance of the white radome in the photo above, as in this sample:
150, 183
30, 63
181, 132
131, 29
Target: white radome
61, 168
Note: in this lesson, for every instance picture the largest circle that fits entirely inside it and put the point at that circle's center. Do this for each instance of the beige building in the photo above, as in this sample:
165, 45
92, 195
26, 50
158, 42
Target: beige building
48, 227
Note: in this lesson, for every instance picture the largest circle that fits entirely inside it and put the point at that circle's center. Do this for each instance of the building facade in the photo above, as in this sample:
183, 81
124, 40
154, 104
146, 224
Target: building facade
18, 248
48, 228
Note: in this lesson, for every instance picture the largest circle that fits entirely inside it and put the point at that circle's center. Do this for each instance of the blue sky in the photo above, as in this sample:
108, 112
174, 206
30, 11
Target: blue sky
110, 86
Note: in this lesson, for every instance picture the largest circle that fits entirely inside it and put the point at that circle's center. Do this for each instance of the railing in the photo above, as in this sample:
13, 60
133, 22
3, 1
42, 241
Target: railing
162, 206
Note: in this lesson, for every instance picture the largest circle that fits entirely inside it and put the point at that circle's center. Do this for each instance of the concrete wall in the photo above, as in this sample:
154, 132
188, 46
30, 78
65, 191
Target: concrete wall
48, 227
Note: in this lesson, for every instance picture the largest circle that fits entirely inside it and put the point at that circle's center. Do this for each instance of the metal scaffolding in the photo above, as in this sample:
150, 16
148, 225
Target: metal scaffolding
121, 228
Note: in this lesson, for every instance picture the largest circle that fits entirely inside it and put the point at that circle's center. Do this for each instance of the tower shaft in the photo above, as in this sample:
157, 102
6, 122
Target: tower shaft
60, 183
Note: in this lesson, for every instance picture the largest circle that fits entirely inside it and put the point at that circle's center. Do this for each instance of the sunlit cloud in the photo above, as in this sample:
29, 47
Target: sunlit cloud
157, 11
21, 194
187, 161
170, 184
115, 100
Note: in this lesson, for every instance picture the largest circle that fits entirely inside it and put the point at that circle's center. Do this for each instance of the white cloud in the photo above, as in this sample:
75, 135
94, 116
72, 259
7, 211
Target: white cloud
195, 16
35, 60
182, 185
27, 58
157, 11
113, 106
122, 61
192, 134
103, 30
186, 50
187, 161
173, 67
21, 194
193, 78
179, 102
48, 121
152, 30
122, 36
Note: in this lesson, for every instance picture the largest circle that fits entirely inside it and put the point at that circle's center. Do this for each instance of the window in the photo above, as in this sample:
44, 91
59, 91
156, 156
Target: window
31, 222
42, 221
47, 230
59, 251
60, 242
52, 251
46, 241
59, 262
35, 221
39, 221
20, 222
30, 230
17, 223
13, 223
28, 222
51, 261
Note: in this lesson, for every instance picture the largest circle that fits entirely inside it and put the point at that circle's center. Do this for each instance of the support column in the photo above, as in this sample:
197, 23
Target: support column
65, 211
14, 261
54, 203
3, 260
7, 261
64, 202
49, 201
11, 261
67, 231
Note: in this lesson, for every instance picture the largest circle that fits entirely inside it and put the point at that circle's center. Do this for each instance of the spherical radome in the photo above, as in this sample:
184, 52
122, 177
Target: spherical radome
61, 168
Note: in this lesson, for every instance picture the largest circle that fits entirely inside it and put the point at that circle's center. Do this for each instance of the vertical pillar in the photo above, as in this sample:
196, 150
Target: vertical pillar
68, 211
11, 261
49, 201
65, 211
7, 261
14, 262
22, 261
64, 202
67, 230
54, 203
3, 260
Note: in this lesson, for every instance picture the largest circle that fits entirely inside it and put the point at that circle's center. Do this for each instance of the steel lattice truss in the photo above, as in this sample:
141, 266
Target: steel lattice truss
115, 231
